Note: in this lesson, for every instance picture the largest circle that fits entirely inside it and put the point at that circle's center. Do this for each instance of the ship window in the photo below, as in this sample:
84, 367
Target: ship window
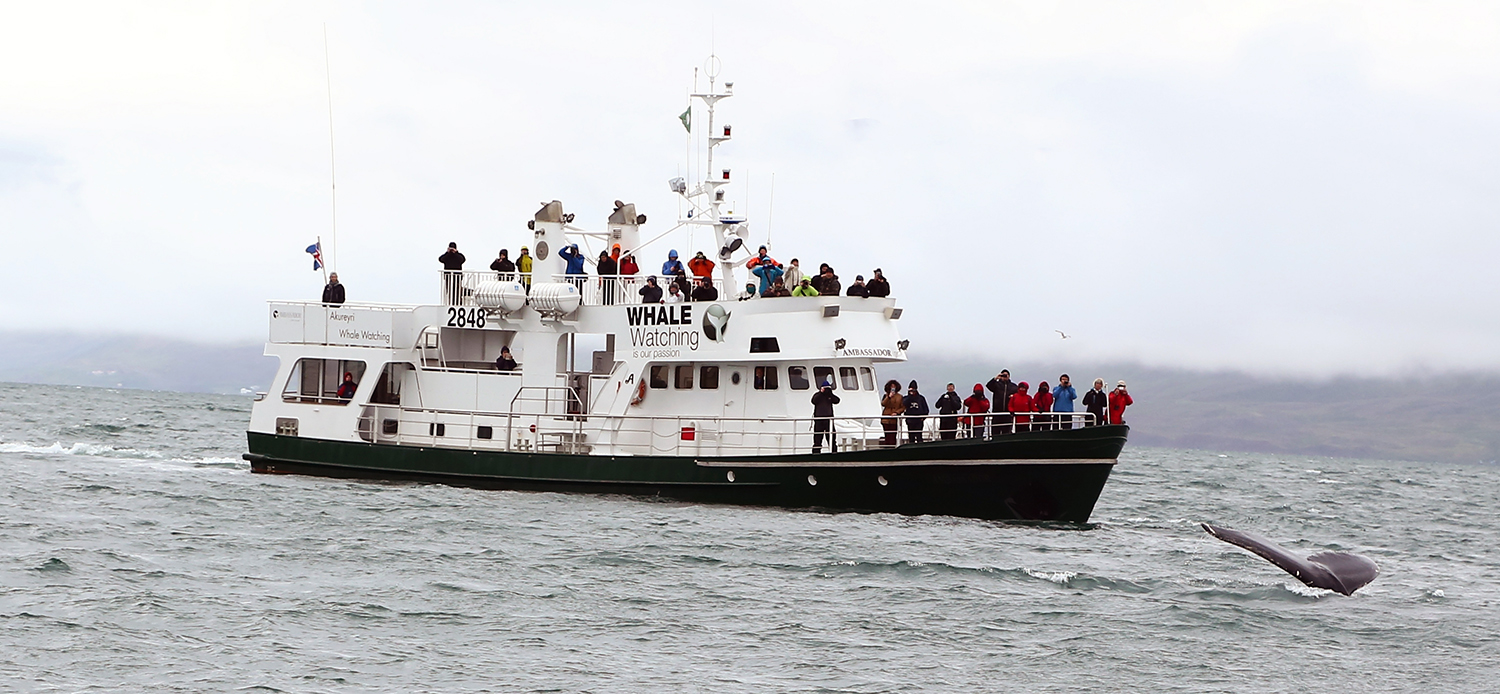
708, 378
847, 378
764, 344
437, 429
485, 432
659, 376
388, 388
796, 377
318, 380
867, 377
684, 377
765, 377
822, 374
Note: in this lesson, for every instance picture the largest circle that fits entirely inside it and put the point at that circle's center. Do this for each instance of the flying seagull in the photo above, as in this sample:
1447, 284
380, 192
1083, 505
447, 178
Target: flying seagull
1064, 335
1337, 571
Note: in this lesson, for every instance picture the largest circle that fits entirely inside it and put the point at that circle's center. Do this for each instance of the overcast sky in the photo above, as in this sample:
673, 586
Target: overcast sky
1303, 188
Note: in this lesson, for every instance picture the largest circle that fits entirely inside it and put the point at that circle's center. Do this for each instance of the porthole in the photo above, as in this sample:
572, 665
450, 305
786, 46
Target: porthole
734, 378
882, 480
730, 475
812, 481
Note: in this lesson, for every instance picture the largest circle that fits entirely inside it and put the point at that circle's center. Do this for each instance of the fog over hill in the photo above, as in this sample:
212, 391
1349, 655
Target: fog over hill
1439, 417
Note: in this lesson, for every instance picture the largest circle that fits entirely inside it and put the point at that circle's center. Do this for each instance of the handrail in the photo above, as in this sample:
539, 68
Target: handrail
595, 290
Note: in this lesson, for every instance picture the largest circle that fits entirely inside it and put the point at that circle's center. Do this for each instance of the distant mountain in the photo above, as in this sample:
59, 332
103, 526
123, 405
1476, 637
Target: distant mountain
1433, 417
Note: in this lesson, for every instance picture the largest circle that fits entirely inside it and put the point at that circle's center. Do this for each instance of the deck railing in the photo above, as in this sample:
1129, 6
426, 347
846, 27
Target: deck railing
457, 287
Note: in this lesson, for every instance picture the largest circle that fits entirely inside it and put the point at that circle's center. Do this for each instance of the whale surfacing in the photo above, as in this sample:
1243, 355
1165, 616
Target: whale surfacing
1336, 571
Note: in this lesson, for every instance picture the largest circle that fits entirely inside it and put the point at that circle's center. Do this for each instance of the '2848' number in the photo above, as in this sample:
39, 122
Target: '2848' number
465, 317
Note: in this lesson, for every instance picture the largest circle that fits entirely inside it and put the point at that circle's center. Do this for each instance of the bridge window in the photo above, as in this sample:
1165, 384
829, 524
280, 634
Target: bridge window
822, 374
659, 376
867, 377
764, 344
708, 378
765, 377
685, 377
796, 377
847, 378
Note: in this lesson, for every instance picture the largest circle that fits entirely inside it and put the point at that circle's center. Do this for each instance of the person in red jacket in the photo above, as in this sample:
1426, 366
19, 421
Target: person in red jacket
976, 423
1019, 404
1042, 403
1118, 401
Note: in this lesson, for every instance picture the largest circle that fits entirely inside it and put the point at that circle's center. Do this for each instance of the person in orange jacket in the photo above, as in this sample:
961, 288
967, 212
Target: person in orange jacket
1118, 401
1021, 403
701, 266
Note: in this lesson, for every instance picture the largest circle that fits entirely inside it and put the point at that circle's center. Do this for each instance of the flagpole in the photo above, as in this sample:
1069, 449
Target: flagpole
323, 263
332, 171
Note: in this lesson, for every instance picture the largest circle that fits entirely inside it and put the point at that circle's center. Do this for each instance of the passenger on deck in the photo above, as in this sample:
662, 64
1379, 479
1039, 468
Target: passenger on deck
748, 294
453, 282
673, 266
858, 288
1042, 402
1062, 401
891, 406
650, 294
574, 259
347, 388
977, 406
452, 260
948, 406
1021, 403
828, 283
1096, 401
916, 412
628, 270
674, 295
523, 266
333, 292
778, 288
1002, 388
705, 291
680, 281
823, 402
879, 288
504, 268
506, 362
766, 268
1118, 401
794, 273
805, 288
609, 271
700, 265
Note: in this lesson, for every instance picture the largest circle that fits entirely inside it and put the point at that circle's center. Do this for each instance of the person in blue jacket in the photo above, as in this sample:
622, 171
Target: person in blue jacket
673, 266
1062, 400
574, 259
916, 411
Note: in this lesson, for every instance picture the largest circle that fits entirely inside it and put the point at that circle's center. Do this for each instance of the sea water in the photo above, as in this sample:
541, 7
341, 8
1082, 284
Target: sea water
139, 553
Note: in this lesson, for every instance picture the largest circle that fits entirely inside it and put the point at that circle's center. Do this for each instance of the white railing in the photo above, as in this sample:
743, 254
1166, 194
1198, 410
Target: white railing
457, 287
679, 435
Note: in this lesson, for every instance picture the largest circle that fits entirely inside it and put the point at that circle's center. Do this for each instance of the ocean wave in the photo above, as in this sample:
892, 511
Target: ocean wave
79, 448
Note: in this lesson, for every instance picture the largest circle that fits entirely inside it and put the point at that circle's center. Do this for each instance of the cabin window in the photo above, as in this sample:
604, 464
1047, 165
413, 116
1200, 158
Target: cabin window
684, 378
388, 388
822, 374
848, 380
485, 432
659, 376
764, 344
437, 429
796, 377
765, 377
318, 380
867, 377
708, 378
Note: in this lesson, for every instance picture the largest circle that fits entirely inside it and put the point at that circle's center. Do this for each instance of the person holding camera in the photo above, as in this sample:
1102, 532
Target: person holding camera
1118, 401
823, 402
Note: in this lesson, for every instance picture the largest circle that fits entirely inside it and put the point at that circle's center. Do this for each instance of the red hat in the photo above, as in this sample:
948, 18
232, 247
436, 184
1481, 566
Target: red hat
978, 388
1023, 385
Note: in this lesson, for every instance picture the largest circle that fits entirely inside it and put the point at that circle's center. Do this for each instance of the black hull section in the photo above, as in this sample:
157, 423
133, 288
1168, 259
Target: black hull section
1040, 476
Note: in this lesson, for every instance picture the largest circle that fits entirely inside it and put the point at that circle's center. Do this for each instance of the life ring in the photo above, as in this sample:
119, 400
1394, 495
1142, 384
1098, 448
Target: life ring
640, 393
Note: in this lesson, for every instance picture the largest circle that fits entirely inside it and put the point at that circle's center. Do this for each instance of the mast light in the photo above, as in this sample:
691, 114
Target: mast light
726, 174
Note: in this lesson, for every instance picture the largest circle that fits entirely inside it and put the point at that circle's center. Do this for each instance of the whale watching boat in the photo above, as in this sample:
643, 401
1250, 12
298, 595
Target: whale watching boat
700, 401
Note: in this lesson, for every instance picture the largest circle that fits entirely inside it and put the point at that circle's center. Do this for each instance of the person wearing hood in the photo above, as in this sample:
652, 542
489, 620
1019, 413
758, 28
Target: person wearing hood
1002, 388
977, 406
778, 289
705, 291
761, 258
794, 273
347, 388
823, 402
1062, 401
748, 294
505, 362
608, 276
805, 289
892, 406
701, 266
628, 270
453, 277
1019, 403
1042, 402
574, 259
505, 270
859, 288
673, 266
879, 288
1118, 401
828, 283
948, 406
650, 293
523, 266
1096, 401
767, 270
916, 412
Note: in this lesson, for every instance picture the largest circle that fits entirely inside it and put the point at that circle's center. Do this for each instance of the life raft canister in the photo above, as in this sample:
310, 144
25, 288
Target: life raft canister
640, 393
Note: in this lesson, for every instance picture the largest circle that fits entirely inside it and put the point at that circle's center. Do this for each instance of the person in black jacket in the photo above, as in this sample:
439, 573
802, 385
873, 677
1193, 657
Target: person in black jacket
609, 271
503, 266
823, 402
916, 411
651, 293
506, 362
948, 407
1002, 388
705, 291
333, 293
1096, 401
877, 285
858, 288
453, 265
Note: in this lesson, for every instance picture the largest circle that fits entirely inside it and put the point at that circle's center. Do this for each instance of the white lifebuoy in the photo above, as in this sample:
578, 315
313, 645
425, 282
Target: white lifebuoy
640, 393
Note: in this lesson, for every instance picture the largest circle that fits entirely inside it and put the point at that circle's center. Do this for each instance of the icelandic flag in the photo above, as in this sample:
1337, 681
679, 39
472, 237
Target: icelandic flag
316, 250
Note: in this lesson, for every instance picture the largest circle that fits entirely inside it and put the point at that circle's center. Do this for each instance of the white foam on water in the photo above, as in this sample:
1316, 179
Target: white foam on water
79, 448
1058, 577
